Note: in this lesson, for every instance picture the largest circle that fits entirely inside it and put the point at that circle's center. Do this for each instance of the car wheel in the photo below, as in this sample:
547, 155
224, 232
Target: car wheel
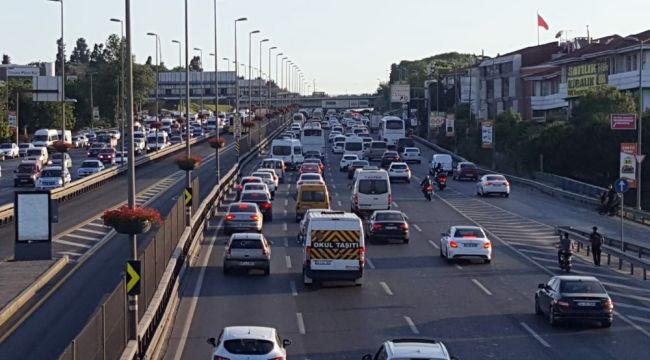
606, 324
507, 195
267, 271
408, 181
487, 261
406, 241
538, 310
551, 317
306, 280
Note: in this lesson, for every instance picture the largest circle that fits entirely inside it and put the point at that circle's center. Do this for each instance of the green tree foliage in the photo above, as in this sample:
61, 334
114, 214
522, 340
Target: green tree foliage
80, 53
196, 64
6, 60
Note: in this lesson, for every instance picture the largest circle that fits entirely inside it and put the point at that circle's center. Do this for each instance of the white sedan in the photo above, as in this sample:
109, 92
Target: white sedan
337, 148
493, 184
346, 160
411, 154
89, 167
399, 171
466, 242
9, 150
249, 342
268, 179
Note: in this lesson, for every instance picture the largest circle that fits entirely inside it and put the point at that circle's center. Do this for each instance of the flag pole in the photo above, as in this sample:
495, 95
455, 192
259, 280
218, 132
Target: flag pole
538, 28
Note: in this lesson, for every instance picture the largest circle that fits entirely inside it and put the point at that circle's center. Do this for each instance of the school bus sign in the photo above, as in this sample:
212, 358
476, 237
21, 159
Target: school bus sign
581, 78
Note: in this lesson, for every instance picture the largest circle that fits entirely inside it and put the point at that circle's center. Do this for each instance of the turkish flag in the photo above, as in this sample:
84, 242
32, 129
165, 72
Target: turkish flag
541, 22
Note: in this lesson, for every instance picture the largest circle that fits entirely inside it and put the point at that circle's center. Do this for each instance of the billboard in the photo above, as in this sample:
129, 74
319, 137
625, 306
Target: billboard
627, 167
487, 134
12, 120
32, 214
581, 78
400, 93
623, 121
449, 125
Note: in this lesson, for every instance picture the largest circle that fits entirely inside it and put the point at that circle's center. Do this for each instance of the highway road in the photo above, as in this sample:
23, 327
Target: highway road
55, 323
479, 311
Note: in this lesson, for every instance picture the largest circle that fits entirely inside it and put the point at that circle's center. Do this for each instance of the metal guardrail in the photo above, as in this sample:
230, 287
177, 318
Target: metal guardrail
638, 216
91, 182
611, 249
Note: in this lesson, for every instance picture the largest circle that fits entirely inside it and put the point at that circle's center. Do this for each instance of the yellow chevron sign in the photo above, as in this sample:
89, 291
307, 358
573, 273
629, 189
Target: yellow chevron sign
335, 244
133, 277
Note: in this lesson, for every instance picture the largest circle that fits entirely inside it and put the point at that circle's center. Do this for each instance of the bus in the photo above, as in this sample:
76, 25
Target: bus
391, 129
313, 139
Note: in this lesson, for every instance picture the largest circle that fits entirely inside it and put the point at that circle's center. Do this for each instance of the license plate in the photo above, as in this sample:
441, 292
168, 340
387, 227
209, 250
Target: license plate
391, 227
322, 262
586, 303
470, 245
246, 263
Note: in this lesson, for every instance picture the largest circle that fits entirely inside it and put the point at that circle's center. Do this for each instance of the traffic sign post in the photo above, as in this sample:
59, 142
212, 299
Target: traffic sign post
187, 194
621, 186
133, 277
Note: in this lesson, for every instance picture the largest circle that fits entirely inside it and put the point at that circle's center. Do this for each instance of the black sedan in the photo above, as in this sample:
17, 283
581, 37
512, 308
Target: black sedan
386, 225
574, 298
389, 157
358, 164
261, 198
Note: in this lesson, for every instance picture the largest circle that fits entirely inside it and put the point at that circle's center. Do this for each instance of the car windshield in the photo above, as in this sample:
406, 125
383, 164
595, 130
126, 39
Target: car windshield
34, 152
350, 157
25, 168
263, 175
581, 286
250, 180
313, 195
390, 154
468, 233
398, 166
389, 217
248, 346
467, 166
282, 150
90, 164
5, 146
106, 151
310, 177
374, 187
254, 197
495, 178
254, 186
297, 150
246, 244
51, 173
394, 124
241, 208
24, 146
353, 146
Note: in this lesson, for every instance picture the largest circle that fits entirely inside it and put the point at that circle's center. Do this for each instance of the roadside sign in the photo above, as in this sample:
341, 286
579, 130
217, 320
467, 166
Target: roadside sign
639, 158
449, 125
628, 163
621, 185
11, 120
487, 134
622, 121
400, 93
133, 277
95, 113
188, 196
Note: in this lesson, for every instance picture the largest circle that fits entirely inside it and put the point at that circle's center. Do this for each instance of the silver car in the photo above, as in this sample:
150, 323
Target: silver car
242, 216
247, 251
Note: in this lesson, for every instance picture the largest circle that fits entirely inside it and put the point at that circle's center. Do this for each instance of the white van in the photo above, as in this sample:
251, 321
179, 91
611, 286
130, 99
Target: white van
161, 143
371, 191
276, 164
334, 248
444, 160
45, 137
39, 154
353, 145
289, 151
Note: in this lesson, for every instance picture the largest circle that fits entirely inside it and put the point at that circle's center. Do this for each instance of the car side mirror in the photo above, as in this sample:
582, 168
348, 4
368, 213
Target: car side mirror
212, 341
367, 357
286, 342
541, 286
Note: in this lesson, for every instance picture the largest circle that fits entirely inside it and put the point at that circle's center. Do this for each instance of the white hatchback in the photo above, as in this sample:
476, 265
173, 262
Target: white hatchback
399, 171
346, 160
466, 242
248, 343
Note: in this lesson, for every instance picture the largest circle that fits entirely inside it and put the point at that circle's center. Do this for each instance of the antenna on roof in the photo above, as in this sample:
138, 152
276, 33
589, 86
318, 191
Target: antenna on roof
588, 37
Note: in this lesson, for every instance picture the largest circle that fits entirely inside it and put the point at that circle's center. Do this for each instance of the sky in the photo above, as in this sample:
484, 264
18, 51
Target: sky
344, 46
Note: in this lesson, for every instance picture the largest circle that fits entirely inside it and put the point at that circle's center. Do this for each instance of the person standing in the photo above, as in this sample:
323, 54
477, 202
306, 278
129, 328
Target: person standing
596, 244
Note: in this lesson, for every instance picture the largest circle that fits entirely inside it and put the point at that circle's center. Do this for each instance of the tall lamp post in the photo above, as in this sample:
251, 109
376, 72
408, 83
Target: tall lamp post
157, 69
216, 92
121, 108
260, 72
282, 71
268, 94
62, 89
237, 121
227, 63
250, 74
201, 59
187, 108
639, 148
277, 78
180, 65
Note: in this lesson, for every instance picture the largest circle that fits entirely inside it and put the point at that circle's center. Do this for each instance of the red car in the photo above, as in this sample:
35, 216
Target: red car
310, 168
107, 156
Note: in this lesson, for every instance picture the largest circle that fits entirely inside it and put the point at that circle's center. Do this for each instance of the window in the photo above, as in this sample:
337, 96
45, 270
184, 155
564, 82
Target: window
505, 87
246, 244
313, 195
312, 132
353, 146
389, 217
583, 287
248, 346
476, 233
297, 150
394, 124
282, 150
373, 187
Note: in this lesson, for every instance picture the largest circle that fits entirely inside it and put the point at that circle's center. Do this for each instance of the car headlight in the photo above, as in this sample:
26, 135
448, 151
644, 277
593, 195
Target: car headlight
60, 182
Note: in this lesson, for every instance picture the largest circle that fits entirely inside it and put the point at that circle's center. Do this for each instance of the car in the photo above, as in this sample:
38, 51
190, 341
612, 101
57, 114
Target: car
465, 170
23, 147
310, 168
247, 251
411, 154
175, 139
90, 167
51, 178
58, 158
337, 147
107, 156
311, 196
248, 343
357, 164
9, 150
242, 216
277, 165
39, 154
399, 171
371, 191
388, 225
94, 149
268, 179
246, 180
493, 184
313, 154
411, 349
263, 201
256, 187
276, 179
27, 172
466, 242
121, 157
574, 298
389, 157
316, 161
332, 135
403, 143
346, 160
310, 178
79, 141
375, 151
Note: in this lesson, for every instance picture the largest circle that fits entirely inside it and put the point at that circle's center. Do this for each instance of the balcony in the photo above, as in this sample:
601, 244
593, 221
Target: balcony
629, 79
552, 101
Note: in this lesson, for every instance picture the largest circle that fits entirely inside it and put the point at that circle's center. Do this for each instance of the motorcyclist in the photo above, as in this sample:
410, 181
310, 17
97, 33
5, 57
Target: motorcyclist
565, 246
437, 169
427, 181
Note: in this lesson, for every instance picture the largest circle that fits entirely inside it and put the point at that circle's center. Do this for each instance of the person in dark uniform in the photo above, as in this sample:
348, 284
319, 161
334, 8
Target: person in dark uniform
596, 244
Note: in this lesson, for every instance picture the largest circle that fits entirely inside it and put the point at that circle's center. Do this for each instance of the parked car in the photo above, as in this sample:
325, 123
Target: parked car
247, 251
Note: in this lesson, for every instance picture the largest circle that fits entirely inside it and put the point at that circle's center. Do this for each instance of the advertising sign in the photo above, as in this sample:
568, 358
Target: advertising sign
400, 93
627, 165
623, 121
23, 71
449, 125
581, 78
487, 134
11, 120
32, 214
96, 113
436, 119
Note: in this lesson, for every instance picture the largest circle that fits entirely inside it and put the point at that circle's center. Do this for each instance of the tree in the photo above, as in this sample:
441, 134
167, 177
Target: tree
6, 60
80, 53
148, 61
97, 55
195, 64
144, 80
60, 56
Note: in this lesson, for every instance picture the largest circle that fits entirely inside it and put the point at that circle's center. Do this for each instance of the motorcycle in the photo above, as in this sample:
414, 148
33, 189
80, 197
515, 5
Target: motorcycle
428, 191
441, 180
564, 260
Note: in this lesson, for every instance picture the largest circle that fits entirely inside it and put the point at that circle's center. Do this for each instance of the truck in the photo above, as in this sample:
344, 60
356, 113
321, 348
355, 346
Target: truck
67, 138
106, 138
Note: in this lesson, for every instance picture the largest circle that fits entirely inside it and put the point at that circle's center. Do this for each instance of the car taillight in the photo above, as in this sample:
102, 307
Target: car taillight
230, 217
404, 226
563, 303
488, 183
254, 217
362, 256
266, 205
308, 253
390, 199
487, 245
277, 358
453, 244
376, 226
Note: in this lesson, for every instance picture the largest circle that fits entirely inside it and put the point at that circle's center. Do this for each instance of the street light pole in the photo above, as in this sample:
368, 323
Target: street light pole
227, 63
250, 75
62, 90
180, 66
157, 67
268, 94
260, 72
237, 121
187, 107
216, 91
282, 72
201, 59
121, 108
640, 129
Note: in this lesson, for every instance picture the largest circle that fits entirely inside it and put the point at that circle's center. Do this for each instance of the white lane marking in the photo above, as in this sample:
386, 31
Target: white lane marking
93, 231
301, 324
286, 202
81, 237
370, 263
417, 227
71, 243
285, 212
433, 243
288, 261
288, 187
387, 289
395, 204
640, 319
194, 300
629, 322
294, 290
284, 226
534, 334
629, 306
482, 287
635, 288
339, 202
411, 325
286, 242
459, 267
635, 297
